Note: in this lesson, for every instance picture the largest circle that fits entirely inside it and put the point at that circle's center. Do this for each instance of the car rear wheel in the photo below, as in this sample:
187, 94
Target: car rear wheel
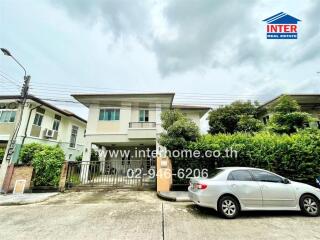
228, 207
310, 205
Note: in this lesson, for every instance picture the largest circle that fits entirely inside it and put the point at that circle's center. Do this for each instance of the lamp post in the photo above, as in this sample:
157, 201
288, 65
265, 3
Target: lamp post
22, 101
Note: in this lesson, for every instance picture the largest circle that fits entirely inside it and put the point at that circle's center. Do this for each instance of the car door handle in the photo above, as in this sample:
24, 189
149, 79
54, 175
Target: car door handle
233, 185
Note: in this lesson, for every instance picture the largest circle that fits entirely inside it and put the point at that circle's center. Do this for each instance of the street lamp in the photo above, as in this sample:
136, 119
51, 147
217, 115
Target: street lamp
7, 53
23, 96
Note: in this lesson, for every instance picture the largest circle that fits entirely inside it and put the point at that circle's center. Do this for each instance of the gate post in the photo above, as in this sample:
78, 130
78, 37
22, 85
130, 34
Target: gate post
85, 163
164, 174
63, 177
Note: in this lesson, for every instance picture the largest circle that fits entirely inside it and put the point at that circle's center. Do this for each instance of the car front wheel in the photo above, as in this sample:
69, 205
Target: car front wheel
310, 205
228, 207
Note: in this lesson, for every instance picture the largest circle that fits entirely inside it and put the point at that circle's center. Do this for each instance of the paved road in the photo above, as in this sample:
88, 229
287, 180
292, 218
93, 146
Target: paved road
141, 215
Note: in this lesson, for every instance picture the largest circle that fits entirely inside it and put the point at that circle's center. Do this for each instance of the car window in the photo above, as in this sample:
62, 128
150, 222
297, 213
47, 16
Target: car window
240, 175
215, 172
263, 176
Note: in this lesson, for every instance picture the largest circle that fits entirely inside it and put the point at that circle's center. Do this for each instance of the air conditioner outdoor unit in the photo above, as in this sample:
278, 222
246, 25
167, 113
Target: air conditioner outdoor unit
48, 133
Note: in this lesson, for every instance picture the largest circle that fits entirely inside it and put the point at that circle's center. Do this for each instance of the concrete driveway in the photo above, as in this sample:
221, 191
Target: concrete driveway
141, 215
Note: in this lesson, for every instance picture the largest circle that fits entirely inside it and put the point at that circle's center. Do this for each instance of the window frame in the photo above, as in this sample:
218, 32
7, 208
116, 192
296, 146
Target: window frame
56, 123
240, 170
270, 173
266, 119
71, 144
12, 112
144, 115
41, 115
115, 111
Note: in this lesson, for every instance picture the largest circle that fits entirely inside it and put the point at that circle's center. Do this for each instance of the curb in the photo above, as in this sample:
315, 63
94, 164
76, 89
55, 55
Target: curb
25, 202
166, 197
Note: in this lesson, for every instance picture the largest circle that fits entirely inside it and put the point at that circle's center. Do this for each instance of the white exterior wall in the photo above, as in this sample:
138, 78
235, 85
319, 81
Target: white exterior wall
193, 115
64, 131
118, 131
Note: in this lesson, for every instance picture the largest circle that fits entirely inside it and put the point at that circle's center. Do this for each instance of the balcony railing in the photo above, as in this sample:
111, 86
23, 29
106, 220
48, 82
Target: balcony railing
142, 124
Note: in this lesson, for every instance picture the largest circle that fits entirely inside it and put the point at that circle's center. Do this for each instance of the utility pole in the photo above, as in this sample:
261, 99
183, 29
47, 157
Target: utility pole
22, 102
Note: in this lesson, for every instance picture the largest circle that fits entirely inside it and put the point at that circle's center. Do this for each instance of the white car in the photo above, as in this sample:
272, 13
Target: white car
233, 189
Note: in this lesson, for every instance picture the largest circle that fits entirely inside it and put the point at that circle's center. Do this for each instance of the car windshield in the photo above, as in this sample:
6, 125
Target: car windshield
215, 172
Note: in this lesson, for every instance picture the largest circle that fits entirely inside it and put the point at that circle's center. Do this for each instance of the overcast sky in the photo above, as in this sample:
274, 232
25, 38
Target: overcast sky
208, 52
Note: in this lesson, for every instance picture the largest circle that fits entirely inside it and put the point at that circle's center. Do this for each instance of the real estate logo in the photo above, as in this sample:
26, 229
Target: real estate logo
282, 26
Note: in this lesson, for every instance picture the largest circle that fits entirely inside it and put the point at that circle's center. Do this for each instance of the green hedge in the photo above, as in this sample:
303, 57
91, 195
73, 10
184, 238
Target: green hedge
46, 160
2, 151
296, 157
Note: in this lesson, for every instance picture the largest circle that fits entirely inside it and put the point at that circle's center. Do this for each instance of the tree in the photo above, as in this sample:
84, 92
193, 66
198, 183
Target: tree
287, 116
236, 117
170, 116
248, 123
179, 130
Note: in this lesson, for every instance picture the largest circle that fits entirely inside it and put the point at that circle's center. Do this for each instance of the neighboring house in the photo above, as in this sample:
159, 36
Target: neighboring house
128, 122
41, 123
309, 103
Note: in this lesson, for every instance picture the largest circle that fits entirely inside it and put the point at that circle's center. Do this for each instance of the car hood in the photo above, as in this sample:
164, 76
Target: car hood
303, 186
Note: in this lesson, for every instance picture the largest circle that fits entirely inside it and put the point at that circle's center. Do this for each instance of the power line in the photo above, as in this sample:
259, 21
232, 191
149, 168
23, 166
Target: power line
53, 92
100, 89
9, 80
9, 76
56, 87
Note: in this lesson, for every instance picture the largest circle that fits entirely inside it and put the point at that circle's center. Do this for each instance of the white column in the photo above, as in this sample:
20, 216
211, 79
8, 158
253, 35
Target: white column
158, 118
85, 164
102, 159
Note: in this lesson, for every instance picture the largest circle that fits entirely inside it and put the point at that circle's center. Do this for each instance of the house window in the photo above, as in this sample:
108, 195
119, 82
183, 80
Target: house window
38, 119
144, 116
73, 138
265, 119
56, 122
109, 114
7, 116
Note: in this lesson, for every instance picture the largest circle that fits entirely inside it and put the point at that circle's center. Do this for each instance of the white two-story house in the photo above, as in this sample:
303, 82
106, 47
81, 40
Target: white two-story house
128, 122
41, 123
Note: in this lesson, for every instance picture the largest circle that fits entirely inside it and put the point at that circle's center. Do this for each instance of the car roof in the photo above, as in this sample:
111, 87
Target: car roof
241, 168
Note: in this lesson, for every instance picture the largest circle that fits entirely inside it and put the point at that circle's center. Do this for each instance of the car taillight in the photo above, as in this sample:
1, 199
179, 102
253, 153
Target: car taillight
201, 186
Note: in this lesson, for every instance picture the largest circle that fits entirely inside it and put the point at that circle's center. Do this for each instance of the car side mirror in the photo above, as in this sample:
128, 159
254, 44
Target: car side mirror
286, 181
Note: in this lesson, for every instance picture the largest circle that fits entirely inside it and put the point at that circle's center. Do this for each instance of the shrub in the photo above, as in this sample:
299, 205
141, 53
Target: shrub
236, 117
2, 151
295, 156
94, 156
28, 151
79, 158
180, 130
47, 162
287, 116
47, 166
